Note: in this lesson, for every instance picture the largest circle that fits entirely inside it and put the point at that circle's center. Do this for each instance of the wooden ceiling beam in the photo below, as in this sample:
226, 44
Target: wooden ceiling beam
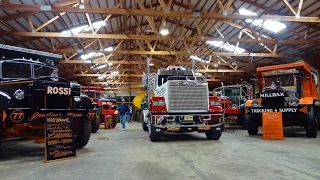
146, 12
168, 53
152, 37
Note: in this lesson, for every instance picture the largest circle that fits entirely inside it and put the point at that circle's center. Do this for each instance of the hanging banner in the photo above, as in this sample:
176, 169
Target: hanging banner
272, 126
60, 142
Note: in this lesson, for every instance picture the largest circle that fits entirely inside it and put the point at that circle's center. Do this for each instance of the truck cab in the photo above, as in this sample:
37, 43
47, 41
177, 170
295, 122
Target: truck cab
181, 103
287, 88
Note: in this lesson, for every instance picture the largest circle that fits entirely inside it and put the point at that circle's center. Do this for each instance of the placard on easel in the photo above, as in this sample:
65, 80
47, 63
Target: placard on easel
272, 126
59, 136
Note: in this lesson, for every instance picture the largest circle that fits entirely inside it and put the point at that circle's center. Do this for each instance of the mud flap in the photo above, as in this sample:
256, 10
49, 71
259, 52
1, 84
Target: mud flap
156, 130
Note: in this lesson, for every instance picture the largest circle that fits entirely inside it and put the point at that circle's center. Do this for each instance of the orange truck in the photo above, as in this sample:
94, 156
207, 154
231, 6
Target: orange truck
287, 88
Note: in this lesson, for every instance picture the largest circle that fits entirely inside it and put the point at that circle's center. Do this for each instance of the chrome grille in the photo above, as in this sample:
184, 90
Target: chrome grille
191, 98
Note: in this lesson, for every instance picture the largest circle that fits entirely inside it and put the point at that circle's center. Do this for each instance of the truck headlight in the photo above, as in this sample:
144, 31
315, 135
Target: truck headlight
77, 98
54, 75
294, 102
158, 103
255, 103
19, 94
234, 106
215, 103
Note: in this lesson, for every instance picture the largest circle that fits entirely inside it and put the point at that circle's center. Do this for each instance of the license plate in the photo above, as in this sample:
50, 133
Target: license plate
188, 118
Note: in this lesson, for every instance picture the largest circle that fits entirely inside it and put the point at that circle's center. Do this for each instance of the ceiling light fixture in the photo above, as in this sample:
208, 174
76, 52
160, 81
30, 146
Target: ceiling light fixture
215, 65
102, 66
164, 30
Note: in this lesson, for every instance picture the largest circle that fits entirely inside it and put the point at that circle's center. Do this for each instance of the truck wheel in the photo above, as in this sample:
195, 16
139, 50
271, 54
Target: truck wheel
213, 135
311, 123
154, 137
84, 132
252, 125
95, 125
144, 126
114, 121
318, 117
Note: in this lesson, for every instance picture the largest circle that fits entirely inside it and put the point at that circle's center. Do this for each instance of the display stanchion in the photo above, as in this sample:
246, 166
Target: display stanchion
272, 127
59, 139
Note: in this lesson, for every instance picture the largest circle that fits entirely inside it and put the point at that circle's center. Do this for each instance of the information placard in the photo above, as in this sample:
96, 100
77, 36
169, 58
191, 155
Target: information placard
60, 142
272, 127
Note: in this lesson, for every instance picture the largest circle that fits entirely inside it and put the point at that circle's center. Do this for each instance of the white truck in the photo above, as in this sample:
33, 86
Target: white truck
179, 102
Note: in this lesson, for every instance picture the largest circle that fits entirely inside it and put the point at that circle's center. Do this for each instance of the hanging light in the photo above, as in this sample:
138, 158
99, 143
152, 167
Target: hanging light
164, 30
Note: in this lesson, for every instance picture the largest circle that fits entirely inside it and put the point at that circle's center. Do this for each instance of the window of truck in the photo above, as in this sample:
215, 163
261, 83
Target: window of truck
13, 70
287, 81
41, 71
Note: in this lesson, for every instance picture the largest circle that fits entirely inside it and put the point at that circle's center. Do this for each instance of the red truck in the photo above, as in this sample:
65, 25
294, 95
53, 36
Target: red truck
108, 106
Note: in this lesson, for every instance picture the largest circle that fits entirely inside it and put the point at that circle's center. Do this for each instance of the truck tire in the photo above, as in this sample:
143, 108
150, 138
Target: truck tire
213, 135
311, 123
318, 116
154, 137
95, 125
252, 125
84, 132
114, 120
144, 126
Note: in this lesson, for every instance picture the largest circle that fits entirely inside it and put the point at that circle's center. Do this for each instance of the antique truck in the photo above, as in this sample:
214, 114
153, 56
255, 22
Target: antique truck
107, 105
232, 99
31, 91
179, 102
287, 88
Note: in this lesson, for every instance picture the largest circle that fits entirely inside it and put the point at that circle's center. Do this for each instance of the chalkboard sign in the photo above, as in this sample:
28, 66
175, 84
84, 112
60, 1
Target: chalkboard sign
60, 142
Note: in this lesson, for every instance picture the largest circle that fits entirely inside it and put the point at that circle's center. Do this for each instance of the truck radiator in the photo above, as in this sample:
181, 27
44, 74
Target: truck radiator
191, 98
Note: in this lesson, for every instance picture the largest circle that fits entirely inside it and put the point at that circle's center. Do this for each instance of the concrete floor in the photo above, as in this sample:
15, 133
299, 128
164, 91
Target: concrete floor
113, 154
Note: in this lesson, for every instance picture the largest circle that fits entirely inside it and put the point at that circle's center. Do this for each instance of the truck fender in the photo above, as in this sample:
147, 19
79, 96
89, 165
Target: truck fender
307, 100
84, 103
5, 100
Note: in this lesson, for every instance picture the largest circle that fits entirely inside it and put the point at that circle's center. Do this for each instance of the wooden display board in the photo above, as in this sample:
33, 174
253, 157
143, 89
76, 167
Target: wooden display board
272, 127
59, 136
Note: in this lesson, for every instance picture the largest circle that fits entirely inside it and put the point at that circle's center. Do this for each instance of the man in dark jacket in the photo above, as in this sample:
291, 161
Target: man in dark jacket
124, 111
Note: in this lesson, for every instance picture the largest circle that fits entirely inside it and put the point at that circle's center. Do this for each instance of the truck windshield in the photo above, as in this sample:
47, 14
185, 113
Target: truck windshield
40, 71
16, 70
286, 80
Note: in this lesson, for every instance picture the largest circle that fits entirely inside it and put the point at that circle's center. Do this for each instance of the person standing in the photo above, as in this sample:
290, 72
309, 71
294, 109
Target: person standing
123, 112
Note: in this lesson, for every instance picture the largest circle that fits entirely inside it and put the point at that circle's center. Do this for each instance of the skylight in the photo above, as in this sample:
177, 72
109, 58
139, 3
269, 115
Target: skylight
274, 26
199, 59
84, 28
226, 46
91, 55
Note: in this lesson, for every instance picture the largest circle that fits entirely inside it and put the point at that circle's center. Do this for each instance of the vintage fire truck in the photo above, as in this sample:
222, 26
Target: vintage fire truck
232, 98
31, 91
180, 102
108, 106
287, 88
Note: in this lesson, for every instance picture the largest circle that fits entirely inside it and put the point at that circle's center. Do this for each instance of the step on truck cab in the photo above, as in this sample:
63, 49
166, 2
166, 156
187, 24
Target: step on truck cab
287, 88
30, 91
180, 102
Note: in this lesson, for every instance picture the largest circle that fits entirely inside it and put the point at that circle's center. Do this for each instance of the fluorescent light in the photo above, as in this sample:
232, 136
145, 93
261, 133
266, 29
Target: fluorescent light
274, 26
101, 77
102, 66
108, 49
84, 28
215, 65
110, 64
198, 74
90, 55
164, 31
114, 72
226, 46
151, 64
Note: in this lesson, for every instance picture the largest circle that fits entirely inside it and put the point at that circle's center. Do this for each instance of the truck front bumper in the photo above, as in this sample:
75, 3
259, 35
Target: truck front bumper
160, 129
27, 115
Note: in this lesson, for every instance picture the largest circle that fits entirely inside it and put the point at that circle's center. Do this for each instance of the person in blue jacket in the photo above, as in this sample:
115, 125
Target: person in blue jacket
124, 111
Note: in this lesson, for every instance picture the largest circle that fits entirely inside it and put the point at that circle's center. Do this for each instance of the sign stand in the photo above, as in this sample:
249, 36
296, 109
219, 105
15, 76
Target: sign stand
59, 139
272, 126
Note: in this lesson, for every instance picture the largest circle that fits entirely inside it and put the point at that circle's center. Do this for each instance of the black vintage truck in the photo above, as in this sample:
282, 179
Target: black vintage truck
30, 91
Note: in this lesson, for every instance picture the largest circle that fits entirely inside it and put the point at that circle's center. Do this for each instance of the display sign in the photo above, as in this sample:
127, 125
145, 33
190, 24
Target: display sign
279, 72
259, 110
272, 127
272, 95
60, 142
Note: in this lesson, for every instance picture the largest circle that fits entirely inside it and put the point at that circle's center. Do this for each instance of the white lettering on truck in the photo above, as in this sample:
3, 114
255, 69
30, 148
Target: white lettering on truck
58, 90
